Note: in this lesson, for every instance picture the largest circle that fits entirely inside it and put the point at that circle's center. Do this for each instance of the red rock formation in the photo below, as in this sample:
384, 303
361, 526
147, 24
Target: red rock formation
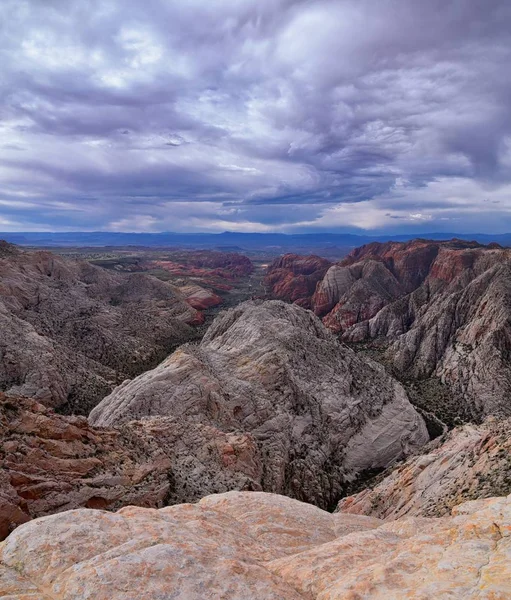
443, 306
206, 264
374, 275
199, 298
294, 278
50, 462
409, 262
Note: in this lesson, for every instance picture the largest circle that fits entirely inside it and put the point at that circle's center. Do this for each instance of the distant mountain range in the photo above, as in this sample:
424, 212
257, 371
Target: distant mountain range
242, 241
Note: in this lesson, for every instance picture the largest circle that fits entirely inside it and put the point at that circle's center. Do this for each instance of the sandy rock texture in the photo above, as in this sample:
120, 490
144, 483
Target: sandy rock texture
246, 545
71, 331
319, 414
470, 462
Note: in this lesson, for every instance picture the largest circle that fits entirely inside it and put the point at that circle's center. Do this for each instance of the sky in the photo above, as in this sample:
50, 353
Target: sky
300, 116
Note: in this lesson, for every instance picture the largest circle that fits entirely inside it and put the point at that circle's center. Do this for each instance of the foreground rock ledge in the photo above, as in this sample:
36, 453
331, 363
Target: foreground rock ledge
253, 545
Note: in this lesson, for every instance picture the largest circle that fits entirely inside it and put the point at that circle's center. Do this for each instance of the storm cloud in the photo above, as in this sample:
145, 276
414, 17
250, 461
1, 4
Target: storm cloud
255, 115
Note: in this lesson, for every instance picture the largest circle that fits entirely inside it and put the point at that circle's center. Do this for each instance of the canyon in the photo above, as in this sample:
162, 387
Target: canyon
224, 445
72, 331
319, 415
433, 309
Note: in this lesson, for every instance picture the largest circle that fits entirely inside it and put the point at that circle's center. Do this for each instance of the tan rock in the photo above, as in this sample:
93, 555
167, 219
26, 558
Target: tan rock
243, 545
310, 412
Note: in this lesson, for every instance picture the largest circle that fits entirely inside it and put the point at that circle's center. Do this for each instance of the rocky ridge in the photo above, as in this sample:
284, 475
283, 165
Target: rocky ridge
470, 462
454, 327
294, 278
441, 308
71, 331
319, 414
259, 546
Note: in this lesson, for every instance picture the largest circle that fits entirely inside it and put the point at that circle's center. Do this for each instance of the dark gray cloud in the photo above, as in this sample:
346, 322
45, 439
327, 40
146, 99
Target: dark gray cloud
290, 115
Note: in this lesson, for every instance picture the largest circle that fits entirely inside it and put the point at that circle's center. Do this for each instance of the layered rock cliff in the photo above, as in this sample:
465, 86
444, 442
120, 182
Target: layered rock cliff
455, 326
319, 414
256, 546
71, 331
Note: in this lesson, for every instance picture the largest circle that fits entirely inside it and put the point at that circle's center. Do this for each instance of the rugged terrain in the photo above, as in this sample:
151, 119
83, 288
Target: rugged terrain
71, 331
319, 414
440, 309
50, 462
294, 278
206, 278
470, 462
256, 546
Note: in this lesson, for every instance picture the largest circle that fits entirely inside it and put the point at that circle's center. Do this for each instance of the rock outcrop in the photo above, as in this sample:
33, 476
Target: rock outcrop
351, 294
294, 278
50, 462
253, 546
71, 331
372, 276
455, 327
199, 297
472, 462
319, 414
441, 307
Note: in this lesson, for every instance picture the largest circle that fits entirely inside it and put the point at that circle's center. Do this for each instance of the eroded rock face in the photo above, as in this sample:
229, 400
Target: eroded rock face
455, 326
319, 414
294, 278
472, 462
199, 297
251, 546
376, 274
441, 307
351, 294
71, 331
50, 463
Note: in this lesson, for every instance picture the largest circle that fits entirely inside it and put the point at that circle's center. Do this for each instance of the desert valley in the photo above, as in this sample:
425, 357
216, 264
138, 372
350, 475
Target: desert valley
288, 428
